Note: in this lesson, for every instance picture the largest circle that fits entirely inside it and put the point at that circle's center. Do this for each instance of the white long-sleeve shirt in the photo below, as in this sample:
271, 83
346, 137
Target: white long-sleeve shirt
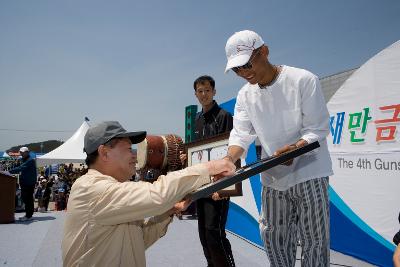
292, 108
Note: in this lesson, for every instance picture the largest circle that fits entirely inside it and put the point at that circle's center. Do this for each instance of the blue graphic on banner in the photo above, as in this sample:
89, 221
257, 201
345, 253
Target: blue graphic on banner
248, 226
336, 131
352, 236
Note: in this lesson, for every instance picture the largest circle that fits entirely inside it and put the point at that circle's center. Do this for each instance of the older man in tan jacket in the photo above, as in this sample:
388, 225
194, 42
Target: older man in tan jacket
110, 222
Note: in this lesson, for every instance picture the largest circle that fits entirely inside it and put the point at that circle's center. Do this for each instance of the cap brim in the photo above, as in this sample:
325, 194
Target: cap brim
237, 61
136, 137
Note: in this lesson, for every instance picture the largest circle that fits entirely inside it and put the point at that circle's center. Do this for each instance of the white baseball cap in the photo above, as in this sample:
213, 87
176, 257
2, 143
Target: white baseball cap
24, 149
240, 46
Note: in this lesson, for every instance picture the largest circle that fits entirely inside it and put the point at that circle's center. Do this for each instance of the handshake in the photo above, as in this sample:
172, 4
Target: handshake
217, 169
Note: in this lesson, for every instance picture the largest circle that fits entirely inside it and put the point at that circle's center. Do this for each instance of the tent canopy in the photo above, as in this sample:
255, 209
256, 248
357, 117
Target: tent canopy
69, 152
4, 154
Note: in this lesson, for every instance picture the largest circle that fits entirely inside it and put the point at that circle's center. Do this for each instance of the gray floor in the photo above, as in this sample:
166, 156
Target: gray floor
38, 243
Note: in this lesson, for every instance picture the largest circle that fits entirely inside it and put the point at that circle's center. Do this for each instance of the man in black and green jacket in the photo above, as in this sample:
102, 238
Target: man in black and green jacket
212, 212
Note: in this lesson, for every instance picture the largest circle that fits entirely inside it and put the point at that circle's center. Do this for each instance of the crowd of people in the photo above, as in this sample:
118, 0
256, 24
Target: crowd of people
49, 186
9, 163
55, 188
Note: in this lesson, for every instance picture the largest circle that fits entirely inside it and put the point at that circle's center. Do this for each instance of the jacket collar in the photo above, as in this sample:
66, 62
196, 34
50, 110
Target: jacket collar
215, 108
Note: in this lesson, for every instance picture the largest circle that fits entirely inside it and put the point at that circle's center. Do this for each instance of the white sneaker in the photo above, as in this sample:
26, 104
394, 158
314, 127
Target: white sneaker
25, 219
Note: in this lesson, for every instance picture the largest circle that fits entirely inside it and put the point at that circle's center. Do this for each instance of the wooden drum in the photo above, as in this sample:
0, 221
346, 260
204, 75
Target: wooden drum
151, 152
174, 147
160, 152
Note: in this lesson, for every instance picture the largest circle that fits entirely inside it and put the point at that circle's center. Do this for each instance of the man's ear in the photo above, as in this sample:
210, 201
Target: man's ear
102, 150
265, 51
214, 92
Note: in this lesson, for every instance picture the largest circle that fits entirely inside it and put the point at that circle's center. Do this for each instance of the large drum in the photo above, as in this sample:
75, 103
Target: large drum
151, 152
160, 152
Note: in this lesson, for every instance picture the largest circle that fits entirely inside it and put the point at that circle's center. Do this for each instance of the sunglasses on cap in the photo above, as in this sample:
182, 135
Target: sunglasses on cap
249, 64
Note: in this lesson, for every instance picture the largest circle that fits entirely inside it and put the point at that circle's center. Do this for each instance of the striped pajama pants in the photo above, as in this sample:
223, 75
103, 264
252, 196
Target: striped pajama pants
301, 212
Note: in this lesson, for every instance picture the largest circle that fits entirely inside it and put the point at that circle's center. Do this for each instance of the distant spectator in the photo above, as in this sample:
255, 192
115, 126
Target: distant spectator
61, 200
47, 171
40, 193
41, 175
62, 184
54, 187
27, 181
47, 194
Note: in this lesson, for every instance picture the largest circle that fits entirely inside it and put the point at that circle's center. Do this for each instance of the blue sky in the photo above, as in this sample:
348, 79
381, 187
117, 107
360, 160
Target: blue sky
135, 62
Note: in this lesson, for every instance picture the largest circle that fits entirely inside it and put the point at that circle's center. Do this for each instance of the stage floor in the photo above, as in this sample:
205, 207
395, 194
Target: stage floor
38, 243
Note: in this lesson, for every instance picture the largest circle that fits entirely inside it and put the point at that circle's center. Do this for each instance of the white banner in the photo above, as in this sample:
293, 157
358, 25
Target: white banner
365, 143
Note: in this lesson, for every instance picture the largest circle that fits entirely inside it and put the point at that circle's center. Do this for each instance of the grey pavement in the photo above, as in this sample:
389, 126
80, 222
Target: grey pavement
38, 243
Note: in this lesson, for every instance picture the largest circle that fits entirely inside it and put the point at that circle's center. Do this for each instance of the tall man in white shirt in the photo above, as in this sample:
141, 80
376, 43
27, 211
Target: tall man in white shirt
284, 107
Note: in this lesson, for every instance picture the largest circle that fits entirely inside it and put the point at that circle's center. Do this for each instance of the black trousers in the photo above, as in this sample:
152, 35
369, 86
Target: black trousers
212, 217
27, 198
46, 201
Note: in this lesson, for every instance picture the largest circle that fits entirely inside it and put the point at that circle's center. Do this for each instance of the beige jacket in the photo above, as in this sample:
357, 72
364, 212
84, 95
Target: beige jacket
105, 223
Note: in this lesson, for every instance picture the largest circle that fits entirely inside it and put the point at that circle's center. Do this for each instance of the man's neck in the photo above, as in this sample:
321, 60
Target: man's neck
207, 108
271, 72
103, 170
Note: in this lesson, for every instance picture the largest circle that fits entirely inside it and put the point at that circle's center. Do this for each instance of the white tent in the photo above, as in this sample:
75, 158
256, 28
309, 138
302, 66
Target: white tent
70, 151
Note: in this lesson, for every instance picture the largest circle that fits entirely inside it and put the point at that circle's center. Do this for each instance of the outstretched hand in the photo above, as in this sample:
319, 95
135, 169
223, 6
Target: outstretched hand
182, 157
220, 168
180, 207
285, 148
215, 196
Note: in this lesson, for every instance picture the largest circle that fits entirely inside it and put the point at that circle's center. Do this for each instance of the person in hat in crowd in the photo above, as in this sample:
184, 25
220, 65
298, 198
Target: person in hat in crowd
284, 107
212, 212
110, 221
27, 181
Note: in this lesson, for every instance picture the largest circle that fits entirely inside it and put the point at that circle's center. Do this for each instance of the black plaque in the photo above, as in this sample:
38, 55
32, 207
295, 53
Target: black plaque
250, 170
